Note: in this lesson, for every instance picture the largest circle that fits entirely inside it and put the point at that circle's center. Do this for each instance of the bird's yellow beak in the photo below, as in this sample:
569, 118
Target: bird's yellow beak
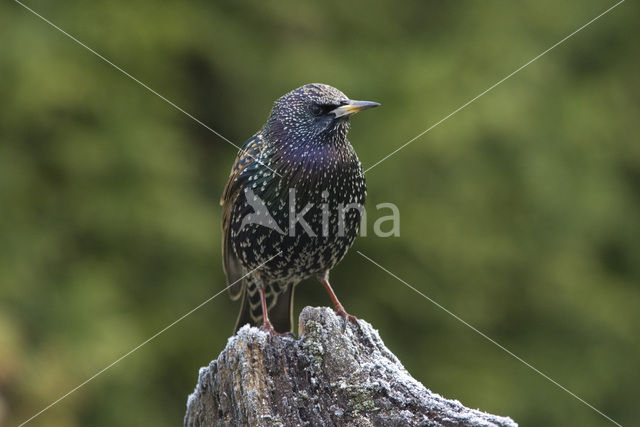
352, 107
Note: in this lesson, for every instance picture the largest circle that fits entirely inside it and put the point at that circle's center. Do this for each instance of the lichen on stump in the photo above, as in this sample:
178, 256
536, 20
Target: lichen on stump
336, 373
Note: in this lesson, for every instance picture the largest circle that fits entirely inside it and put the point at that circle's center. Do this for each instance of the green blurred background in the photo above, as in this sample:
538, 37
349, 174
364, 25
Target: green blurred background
521, 213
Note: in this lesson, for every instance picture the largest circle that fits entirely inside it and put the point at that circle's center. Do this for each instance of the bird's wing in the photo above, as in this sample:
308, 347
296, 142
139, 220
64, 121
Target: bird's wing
247, 156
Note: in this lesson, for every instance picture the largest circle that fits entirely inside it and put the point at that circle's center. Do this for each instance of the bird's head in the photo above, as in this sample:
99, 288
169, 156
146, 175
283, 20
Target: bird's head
313, 112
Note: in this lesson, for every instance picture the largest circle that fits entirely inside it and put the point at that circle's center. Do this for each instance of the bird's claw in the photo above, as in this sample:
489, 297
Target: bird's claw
340, 311
268, 327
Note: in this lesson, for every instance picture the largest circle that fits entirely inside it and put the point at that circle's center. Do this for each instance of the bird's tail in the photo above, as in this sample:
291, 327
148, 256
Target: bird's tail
280, 312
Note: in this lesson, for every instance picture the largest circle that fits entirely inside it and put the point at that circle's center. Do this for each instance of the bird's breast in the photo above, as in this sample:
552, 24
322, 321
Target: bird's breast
311, 212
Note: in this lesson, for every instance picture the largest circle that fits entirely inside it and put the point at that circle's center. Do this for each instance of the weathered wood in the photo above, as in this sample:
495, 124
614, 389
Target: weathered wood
336, 373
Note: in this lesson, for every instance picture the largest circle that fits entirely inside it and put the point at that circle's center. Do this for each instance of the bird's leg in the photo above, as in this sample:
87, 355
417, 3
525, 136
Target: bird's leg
339, 309
266, 324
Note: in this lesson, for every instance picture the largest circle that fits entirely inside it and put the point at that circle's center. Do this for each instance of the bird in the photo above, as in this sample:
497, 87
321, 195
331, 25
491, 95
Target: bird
292, 205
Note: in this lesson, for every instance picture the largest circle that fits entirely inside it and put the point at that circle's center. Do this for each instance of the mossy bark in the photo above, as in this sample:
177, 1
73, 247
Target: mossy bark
336, 373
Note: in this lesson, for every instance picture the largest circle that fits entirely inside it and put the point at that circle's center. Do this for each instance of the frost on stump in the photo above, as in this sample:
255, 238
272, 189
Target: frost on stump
334, 374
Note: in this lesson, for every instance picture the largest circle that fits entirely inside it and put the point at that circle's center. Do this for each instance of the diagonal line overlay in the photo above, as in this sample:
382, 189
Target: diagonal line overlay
165, 99
136, 348
491, 340
493, 86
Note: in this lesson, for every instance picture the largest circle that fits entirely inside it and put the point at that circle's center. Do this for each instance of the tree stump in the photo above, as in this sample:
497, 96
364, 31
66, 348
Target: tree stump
336, 373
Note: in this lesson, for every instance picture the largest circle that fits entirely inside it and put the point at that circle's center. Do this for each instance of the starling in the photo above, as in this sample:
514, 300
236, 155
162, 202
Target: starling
292, 204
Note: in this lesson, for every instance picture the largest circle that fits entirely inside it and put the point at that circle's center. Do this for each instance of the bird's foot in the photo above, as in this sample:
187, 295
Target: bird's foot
268, 327
340, 311
337, 307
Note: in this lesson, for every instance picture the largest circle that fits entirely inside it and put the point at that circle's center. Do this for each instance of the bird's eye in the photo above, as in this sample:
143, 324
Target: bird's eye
316, 109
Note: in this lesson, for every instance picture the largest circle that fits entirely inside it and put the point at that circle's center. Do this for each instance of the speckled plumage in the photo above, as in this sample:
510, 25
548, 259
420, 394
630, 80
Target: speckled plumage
303, 146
